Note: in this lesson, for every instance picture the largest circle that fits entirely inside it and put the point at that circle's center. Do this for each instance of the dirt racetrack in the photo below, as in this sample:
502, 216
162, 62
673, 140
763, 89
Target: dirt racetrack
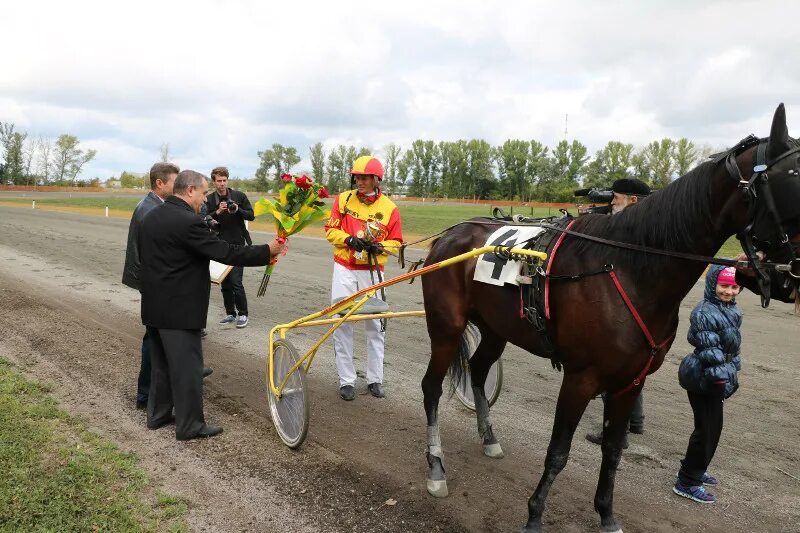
67, 319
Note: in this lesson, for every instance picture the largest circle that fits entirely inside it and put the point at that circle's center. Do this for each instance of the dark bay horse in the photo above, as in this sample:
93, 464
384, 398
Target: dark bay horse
695, 214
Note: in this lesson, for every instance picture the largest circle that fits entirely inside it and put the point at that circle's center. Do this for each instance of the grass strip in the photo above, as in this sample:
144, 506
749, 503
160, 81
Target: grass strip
58, 476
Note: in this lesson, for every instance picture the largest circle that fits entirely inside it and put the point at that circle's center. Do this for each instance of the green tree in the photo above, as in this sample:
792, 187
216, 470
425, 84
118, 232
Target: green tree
337, 169
69, 159
480, 178
290, 159
567, 165
391, 175
423, 163
610, 163
281, 159
640, 167
685, 156
452, 169
513, 168
45, 162
128, 180
317, 155
538, 164
660, 162
15, 158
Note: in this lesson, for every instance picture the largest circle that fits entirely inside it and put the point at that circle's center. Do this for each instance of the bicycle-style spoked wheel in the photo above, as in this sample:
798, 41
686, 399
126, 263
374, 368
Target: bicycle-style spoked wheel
494, 379
290, 412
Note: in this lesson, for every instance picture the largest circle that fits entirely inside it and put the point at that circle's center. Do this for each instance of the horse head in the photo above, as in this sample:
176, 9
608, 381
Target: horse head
769, 223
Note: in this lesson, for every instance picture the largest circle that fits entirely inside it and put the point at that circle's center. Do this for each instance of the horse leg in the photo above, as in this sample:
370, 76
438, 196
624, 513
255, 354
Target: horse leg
616, 413
488, 352
443, 349
573, 398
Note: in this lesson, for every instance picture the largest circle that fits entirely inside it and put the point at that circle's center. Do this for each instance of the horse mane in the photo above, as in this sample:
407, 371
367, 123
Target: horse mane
675, 218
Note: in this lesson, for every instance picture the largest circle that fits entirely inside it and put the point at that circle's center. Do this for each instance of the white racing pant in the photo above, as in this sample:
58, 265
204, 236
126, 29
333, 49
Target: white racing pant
346, 282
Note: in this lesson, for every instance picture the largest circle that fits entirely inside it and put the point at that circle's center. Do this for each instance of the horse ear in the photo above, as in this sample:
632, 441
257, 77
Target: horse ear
778, 135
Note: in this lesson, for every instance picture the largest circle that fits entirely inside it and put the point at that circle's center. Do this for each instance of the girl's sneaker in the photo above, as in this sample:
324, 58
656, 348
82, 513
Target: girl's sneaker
710, 480
697, 494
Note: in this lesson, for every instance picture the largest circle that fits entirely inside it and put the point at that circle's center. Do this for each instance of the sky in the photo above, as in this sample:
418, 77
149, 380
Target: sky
220, 81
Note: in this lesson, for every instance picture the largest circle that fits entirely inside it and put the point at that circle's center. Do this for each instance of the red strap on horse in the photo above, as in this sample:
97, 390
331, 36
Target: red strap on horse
550, 262
654, 348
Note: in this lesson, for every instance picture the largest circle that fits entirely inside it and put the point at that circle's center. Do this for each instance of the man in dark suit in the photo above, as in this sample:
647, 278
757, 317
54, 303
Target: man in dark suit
162, 178
175, 247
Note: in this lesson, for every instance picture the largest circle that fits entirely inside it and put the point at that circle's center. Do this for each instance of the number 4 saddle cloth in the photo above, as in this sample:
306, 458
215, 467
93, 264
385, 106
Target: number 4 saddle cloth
497, 270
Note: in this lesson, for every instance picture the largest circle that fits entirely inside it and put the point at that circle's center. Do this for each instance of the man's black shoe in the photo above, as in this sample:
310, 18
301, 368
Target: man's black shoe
205, 432
636, 429
207, 371
347, 393
141, 406
376, 389
158, 425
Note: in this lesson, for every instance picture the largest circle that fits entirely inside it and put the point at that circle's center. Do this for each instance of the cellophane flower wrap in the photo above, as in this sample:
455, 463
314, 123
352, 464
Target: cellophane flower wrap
298, 205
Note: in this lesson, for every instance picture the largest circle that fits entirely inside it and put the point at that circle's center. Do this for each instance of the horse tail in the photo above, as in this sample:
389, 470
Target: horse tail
459, 366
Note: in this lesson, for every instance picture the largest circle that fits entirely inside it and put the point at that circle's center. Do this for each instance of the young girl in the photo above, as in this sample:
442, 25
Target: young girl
709, 376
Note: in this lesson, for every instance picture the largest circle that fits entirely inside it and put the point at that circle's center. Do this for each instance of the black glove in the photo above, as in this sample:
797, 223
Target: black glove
359, 245
375, 248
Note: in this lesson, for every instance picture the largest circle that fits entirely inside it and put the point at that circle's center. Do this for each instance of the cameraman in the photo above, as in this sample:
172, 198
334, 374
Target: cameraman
627, 191
230, 209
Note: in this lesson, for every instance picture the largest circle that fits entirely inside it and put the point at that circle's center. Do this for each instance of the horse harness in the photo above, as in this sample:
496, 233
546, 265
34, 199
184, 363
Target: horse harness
535, 279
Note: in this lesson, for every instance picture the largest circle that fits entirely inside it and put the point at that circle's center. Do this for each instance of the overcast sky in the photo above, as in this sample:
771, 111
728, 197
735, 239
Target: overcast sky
220, 81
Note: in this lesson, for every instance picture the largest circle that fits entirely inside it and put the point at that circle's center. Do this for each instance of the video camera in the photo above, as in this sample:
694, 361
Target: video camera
596, 196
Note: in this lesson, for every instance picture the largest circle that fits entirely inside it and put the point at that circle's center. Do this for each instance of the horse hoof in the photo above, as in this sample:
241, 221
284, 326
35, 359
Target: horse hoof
437, 488
493, 450
616, 529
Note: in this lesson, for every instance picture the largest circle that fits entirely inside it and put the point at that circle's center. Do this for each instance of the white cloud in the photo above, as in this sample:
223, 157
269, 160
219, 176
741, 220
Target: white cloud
221, 80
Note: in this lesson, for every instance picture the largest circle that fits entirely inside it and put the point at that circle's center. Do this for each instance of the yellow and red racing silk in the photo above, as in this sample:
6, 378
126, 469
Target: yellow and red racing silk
379, 221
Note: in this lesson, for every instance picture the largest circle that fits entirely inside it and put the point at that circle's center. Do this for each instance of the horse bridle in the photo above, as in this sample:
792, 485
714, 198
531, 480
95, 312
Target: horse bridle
760, 197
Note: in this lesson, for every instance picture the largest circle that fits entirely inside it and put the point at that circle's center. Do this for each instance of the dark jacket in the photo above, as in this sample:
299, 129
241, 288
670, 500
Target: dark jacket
231, 225
175, 247
130, 272
714, 332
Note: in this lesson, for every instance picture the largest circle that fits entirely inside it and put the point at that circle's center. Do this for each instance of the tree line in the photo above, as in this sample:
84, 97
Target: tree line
40, 161
524, 170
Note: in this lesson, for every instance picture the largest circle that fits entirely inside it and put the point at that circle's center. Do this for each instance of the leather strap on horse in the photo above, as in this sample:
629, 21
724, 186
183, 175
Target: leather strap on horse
644, 249
654, 348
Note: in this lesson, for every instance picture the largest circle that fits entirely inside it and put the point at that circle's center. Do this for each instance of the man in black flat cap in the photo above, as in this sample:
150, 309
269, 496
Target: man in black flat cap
627, 191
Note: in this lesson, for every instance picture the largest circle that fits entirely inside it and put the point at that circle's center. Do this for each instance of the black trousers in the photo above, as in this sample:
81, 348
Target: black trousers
233, 292
143, 383
176, 380
705, 437
637, 413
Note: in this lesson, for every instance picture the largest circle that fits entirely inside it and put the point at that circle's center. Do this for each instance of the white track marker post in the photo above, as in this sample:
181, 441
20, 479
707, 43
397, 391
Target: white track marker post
106, 210
33, 205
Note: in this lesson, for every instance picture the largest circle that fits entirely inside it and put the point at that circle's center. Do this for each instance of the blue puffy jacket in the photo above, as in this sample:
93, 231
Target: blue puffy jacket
714, 333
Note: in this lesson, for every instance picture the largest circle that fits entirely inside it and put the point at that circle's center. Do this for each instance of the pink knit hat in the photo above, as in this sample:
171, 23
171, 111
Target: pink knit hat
727, 276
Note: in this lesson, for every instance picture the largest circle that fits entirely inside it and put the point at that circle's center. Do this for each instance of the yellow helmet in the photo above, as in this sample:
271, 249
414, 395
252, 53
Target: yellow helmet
366, 165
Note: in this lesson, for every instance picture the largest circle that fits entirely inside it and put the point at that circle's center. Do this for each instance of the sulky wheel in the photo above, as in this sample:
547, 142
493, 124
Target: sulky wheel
494, 380
290, 412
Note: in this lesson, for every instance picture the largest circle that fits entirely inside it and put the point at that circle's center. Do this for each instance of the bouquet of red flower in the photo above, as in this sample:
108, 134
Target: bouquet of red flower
298, 205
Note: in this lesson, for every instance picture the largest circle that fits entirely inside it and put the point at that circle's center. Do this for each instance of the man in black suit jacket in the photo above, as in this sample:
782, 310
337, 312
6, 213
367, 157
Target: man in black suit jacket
175, 247
162, 178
